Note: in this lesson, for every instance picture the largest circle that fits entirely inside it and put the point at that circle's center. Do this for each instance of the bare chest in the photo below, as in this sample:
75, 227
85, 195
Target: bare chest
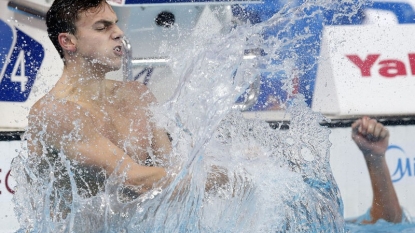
130, 131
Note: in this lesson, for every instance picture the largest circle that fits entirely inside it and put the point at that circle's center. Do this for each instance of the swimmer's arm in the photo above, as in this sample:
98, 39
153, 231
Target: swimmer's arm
372, 138
98, 151
34, 133
161, 146
385, 204
160, 142
74, 132
137, 97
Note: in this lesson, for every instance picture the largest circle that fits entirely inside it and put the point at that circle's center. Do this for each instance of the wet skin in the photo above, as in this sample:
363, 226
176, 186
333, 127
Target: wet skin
94, 121
372, 138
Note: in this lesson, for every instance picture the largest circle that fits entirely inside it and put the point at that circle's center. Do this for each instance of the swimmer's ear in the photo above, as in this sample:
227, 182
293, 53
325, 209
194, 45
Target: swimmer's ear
67, 42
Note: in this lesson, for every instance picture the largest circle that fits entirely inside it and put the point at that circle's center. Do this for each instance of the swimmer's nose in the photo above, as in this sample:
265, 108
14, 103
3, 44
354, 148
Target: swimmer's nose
118, 34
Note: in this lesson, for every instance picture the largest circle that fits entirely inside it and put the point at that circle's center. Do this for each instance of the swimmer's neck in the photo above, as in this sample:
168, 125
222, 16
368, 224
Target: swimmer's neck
81, 84
81, 70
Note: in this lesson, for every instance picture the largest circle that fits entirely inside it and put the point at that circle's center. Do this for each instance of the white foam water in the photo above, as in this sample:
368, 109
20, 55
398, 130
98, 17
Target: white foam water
226, 173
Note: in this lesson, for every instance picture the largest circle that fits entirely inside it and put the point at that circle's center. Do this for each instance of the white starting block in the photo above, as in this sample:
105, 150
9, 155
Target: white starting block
366, 70
369, 70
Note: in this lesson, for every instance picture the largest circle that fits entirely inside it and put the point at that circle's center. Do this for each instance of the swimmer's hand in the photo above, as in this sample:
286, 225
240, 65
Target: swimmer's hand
371, 137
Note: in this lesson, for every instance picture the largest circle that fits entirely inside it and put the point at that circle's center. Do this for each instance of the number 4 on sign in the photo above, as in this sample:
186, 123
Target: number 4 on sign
20, 66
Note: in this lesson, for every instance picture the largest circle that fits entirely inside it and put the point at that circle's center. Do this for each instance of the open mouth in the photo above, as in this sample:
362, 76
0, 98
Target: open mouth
118, 50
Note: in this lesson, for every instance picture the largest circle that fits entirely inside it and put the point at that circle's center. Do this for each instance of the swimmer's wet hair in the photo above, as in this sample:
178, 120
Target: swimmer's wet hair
62, 16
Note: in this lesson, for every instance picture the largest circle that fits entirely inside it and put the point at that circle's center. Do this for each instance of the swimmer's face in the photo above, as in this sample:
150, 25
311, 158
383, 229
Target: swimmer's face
99, 38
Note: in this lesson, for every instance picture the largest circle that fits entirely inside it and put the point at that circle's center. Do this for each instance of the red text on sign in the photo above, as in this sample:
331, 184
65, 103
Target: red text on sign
388, 68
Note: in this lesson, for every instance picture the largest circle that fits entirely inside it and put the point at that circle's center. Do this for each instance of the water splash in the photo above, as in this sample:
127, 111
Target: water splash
227, 173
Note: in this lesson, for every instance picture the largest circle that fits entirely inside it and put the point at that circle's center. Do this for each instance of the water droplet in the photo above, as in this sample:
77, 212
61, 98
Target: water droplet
307, 154
289, 141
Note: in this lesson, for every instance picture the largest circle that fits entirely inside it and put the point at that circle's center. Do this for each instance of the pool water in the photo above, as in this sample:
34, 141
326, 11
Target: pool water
276, 180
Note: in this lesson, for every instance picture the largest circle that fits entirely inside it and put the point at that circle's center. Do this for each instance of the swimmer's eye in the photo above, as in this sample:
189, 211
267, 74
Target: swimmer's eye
101, 29
103, 25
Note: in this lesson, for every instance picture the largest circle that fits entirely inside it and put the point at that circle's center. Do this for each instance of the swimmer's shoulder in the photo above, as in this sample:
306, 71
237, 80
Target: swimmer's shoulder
56, 112
41, 108
51, 104
51, 120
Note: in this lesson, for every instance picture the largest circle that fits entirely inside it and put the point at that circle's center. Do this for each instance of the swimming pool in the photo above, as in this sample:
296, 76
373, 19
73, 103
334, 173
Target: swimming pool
252, 209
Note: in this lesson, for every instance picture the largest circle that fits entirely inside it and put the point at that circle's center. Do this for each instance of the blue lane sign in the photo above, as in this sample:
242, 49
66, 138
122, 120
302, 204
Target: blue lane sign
20, 60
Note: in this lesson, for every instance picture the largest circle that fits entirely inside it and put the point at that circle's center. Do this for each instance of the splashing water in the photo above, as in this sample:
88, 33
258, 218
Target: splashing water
227, 173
